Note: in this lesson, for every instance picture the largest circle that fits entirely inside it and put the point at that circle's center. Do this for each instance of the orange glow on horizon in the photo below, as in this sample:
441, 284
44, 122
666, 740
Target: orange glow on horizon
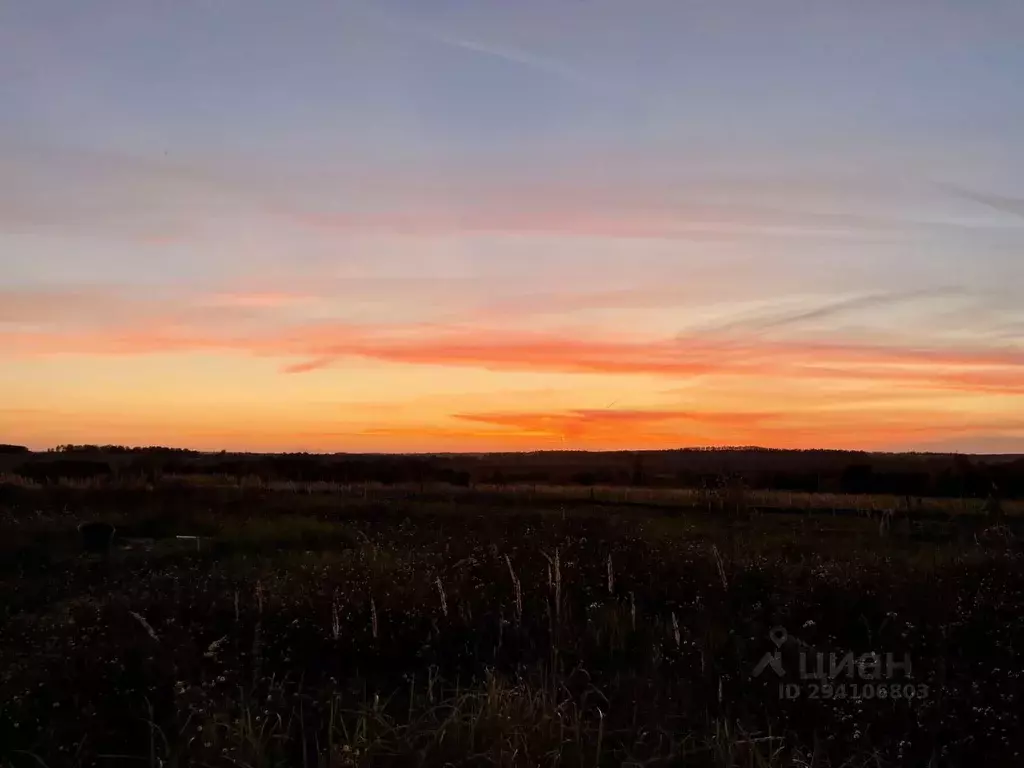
675, 394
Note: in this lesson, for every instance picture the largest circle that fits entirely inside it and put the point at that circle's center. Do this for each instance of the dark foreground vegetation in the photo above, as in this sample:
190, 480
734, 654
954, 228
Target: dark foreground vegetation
315, 623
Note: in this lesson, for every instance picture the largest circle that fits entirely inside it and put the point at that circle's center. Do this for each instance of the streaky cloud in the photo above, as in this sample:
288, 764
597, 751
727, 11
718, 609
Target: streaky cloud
774, 319
541, 64
988, 369
1002, 203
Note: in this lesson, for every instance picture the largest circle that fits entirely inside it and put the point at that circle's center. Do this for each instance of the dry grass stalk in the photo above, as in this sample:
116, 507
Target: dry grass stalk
720, 565
145, 625
444, 601
517, 587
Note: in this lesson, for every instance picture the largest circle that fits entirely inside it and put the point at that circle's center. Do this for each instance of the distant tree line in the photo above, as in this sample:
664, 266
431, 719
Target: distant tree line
305, 468
936, 476
123, 449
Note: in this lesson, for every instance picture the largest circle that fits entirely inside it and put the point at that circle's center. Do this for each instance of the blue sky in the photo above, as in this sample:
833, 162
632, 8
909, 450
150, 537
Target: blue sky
244, 185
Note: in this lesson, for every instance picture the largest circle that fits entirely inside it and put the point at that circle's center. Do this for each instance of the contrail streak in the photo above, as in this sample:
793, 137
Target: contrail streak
525, 58
511, 54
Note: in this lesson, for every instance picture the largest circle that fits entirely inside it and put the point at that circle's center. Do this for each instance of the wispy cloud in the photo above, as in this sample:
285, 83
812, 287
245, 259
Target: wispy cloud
160, 201
543, 65
577, 421
293, 327
317, 346
306, 366
525, 58
1001, 203
107, 308
526, 213
775, 318
151, 199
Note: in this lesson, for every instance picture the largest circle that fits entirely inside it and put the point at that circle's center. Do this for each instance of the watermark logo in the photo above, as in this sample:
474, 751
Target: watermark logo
836, 676
778, 635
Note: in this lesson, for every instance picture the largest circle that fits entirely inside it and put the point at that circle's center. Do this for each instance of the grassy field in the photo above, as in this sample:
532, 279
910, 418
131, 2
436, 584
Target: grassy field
318, 625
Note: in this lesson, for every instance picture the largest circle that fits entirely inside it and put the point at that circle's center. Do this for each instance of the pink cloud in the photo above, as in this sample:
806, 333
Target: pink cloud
314, 346
529, 214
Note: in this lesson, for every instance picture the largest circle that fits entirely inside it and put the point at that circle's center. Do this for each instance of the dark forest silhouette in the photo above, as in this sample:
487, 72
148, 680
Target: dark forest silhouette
824, 471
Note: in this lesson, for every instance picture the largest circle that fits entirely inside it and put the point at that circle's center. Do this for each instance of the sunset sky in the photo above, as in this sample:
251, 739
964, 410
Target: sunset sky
455, 225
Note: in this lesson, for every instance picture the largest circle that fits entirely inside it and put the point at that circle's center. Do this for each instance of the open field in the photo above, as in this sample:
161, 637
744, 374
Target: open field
365, 624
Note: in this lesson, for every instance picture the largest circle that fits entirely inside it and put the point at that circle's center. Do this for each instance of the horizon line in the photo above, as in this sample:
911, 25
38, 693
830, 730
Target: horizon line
690, 449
